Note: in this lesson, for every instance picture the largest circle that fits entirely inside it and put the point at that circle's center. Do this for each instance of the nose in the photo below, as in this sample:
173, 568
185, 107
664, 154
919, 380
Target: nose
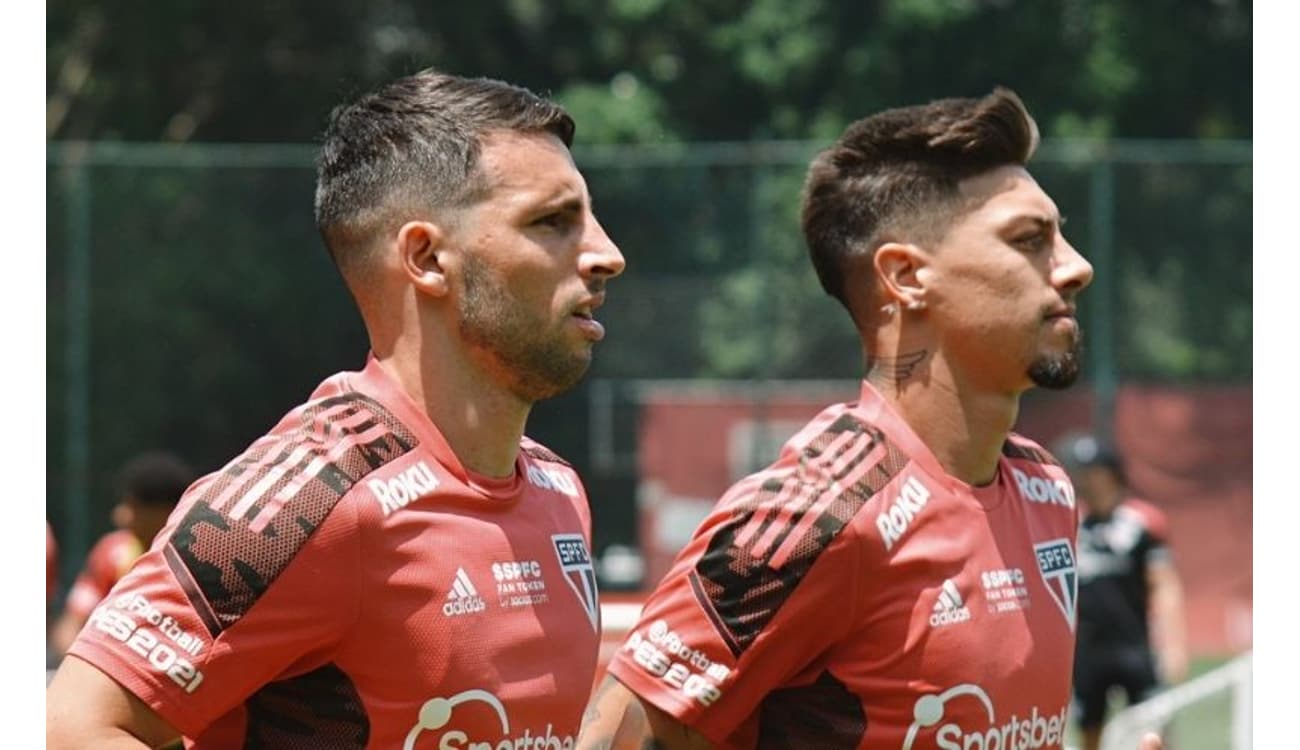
1070, 270
598, 255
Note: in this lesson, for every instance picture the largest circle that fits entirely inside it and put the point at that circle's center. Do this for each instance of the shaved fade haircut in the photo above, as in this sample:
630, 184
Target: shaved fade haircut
894, 176
410, 150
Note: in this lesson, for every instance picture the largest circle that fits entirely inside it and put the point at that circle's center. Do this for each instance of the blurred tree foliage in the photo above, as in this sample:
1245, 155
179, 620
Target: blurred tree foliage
214, 307
651, 69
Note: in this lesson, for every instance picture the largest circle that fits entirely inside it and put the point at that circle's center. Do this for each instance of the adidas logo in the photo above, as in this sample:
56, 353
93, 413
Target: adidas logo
949, 609
463, 599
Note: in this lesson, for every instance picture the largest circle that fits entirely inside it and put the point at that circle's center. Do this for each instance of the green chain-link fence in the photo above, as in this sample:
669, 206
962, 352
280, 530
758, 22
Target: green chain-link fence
190, 302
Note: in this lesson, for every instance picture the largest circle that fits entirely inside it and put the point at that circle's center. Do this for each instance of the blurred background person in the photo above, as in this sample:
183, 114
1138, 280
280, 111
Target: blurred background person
51, 565
1132, 626
149, 485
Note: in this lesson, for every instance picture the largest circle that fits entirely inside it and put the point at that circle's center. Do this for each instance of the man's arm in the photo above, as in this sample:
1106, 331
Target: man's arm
618, 719
1169, 622
86, 708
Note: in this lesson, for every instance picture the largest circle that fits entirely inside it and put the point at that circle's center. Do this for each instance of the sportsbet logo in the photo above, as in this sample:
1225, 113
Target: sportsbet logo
1014, 733
436, 713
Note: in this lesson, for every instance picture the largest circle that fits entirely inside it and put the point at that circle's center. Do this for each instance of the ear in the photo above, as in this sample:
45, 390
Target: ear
421, 251
899, 271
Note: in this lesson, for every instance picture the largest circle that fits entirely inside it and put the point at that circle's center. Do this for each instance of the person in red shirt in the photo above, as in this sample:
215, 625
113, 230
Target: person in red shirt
905, 574
51, 565
149, 486
394, 564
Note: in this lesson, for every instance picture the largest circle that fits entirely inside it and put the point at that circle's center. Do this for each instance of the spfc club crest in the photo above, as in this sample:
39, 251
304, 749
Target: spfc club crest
571, 549
1056, 564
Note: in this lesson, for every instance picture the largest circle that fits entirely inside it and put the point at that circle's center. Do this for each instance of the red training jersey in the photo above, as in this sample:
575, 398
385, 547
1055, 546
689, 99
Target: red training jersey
108, 560
853, 594
347, 583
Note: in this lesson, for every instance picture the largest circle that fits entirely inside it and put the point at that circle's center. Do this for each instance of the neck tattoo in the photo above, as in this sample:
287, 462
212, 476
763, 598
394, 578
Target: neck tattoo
894, 370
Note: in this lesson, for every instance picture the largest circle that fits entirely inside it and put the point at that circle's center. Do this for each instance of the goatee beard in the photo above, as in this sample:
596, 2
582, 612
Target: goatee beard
1058, 371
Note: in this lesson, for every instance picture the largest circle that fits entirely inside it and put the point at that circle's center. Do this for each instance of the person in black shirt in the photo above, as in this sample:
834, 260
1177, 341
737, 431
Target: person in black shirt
1128, 586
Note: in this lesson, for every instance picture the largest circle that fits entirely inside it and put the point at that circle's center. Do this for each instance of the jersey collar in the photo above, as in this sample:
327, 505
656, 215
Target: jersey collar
878, 411
374, 381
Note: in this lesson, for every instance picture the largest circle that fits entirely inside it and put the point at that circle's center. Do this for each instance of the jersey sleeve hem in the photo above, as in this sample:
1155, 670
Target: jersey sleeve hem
646, 688
149, 690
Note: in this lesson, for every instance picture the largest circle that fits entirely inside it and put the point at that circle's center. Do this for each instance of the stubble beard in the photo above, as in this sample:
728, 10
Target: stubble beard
534, 360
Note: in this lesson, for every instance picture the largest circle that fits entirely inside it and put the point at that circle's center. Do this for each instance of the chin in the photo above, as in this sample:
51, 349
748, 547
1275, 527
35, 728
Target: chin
539, 384
1055, 372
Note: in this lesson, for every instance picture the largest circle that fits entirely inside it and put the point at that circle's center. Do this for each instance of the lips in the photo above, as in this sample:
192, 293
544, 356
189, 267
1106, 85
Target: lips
583, 313
587, 306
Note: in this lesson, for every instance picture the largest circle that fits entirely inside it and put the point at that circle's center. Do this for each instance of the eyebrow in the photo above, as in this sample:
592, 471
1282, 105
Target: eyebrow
569, 203
1042, 221
536, 204
558, 193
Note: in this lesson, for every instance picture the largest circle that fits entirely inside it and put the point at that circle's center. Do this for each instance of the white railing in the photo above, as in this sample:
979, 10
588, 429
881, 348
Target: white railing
1124, 730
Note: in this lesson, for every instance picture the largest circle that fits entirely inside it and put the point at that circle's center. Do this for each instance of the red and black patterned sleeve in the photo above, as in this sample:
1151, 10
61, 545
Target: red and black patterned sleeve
257, 577
765, 587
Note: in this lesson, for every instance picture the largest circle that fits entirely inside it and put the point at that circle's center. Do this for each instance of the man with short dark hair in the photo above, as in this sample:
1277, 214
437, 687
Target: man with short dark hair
394, 565
903, 575
148, 488
1129, 589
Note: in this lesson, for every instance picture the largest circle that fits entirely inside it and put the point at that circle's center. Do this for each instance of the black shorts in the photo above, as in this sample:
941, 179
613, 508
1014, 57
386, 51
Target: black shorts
1099, 668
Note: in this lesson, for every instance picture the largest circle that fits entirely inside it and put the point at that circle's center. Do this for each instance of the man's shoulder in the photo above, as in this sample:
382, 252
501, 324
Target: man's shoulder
325, 446
337, 413
842, 422
808, 511
1017, 446
1039, 479
841, 453
531, 449
239, 528
547, 471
